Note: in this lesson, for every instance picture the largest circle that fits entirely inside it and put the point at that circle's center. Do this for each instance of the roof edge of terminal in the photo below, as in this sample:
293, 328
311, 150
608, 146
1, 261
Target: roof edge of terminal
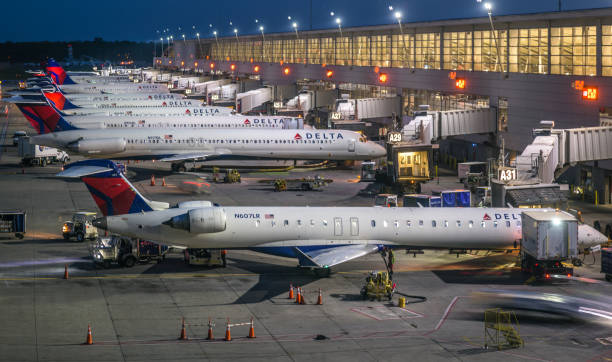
543, 16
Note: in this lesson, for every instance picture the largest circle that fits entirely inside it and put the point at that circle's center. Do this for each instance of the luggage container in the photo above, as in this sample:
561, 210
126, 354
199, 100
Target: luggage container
13, 222
414, 200
456, 198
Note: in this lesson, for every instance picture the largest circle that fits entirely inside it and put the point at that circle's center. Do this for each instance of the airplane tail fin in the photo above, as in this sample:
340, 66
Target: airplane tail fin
45, 118
58, 99
111, 191
57, 73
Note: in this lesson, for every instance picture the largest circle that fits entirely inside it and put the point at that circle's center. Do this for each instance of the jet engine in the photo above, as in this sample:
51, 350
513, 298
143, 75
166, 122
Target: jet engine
200, 221
100, 145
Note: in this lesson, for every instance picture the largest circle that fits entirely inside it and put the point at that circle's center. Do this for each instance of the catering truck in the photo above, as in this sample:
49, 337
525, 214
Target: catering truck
549, 241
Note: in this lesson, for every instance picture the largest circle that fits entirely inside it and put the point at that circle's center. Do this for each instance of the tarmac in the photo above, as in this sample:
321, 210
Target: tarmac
136, 313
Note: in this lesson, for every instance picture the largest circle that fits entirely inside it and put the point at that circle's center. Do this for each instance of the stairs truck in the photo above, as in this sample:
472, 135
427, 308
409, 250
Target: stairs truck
549, 241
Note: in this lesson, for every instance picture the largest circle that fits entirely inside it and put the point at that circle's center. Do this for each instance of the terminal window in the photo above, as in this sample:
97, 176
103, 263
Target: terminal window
361, 51
458, 50
529, 50
314, 51
606, 50
486, 57
403, 51
427, 48
343, 50
381, 50
327, 50
573, 50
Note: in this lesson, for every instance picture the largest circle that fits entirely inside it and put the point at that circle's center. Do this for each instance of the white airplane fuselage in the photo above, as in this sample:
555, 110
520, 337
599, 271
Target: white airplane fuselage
78, 98
247, 227
137, 103
158, 111
115, 88
159, 143
185, 121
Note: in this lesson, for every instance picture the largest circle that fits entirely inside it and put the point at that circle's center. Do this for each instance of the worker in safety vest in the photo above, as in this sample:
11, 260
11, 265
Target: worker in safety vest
223, 254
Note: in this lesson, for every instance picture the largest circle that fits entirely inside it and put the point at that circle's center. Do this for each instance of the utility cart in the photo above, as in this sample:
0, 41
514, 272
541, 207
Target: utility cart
13, 222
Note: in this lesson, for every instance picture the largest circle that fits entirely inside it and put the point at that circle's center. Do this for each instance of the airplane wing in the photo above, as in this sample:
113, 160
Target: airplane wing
195, 155
329, 257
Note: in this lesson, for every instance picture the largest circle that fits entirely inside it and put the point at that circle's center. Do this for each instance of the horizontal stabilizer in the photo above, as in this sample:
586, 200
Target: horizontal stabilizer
81, 171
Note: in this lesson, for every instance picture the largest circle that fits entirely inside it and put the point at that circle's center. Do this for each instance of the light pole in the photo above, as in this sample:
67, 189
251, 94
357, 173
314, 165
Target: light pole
398, 17
217, 41
199, 44
339, 22
184, 41
296, 31
263, 43
237, 43
497, 60
162, 46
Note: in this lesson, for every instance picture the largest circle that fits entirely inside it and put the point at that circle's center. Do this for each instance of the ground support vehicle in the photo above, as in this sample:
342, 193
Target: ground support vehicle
124, 251
80, 227
13, 222
205, 257
386, 200
231, 176
549, 240
378, 286
303, 184
32, 155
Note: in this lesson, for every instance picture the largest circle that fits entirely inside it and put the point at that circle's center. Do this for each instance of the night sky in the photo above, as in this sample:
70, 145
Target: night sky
140, 20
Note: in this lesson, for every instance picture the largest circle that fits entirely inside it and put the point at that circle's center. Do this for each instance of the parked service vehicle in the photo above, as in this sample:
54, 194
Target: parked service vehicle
13, 222
474, 169
549, 240
39, 155
17, 135
377, 286
204, 257
80, 227
386, 200
124, 251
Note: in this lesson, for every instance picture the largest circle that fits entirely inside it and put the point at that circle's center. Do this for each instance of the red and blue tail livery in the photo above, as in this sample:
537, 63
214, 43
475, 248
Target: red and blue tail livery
59, 100
57, 73
45, 118
111, 191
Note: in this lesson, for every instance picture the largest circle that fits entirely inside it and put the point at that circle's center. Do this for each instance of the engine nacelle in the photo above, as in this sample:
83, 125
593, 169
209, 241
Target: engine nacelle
101, 145
200, 221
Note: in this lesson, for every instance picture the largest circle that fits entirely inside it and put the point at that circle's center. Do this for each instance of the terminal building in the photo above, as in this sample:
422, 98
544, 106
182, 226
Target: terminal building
528, 68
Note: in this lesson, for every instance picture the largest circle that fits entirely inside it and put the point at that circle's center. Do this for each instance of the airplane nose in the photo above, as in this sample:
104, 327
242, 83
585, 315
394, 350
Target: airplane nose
588, 236
377, 150
100, 223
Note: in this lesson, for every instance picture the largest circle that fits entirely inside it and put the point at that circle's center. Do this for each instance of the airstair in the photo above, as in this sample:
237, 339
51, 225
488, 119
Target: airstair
501, 329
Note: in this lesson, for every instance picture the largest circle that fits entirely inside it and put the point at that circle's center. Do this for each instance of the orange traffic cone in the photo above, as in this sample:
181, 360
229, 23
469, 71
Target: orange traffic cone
228, 334
298, 296
66, 271
302, 301
210, 331
152, 180
89, 339
163, 182
183, 336
251, 330
320, 299
290, 291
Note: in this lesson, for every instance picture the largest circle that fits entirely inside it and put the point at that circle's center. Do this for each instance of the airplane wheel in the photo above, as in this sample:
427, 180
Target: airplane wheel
129, 261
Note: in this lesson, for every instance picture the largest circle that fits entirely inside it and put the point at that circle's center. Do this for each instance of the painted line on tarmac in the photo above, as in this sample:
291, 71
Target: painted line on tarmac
444, 316
133, 276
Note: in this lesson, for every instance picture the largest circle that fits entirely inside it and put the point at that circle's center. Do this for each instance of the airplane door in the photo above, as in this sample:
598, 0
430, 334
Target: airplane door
351, 145
338, 226
354, 226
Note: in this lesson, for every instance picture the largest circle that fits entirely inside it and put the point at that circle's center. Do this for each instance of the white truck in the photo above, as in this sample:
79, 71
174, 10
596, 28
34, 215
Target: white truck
32, 154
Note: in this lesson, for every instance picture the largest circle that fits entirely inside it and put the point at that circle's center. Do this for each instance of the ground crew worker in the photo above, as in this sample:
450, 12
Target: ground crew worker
223, 254
391, 262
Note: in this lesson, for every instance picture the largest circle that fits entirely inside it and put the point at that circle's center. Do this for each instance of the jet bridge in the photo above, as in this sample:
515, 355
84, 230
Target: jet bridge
554, 150
430, 127
252, 99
